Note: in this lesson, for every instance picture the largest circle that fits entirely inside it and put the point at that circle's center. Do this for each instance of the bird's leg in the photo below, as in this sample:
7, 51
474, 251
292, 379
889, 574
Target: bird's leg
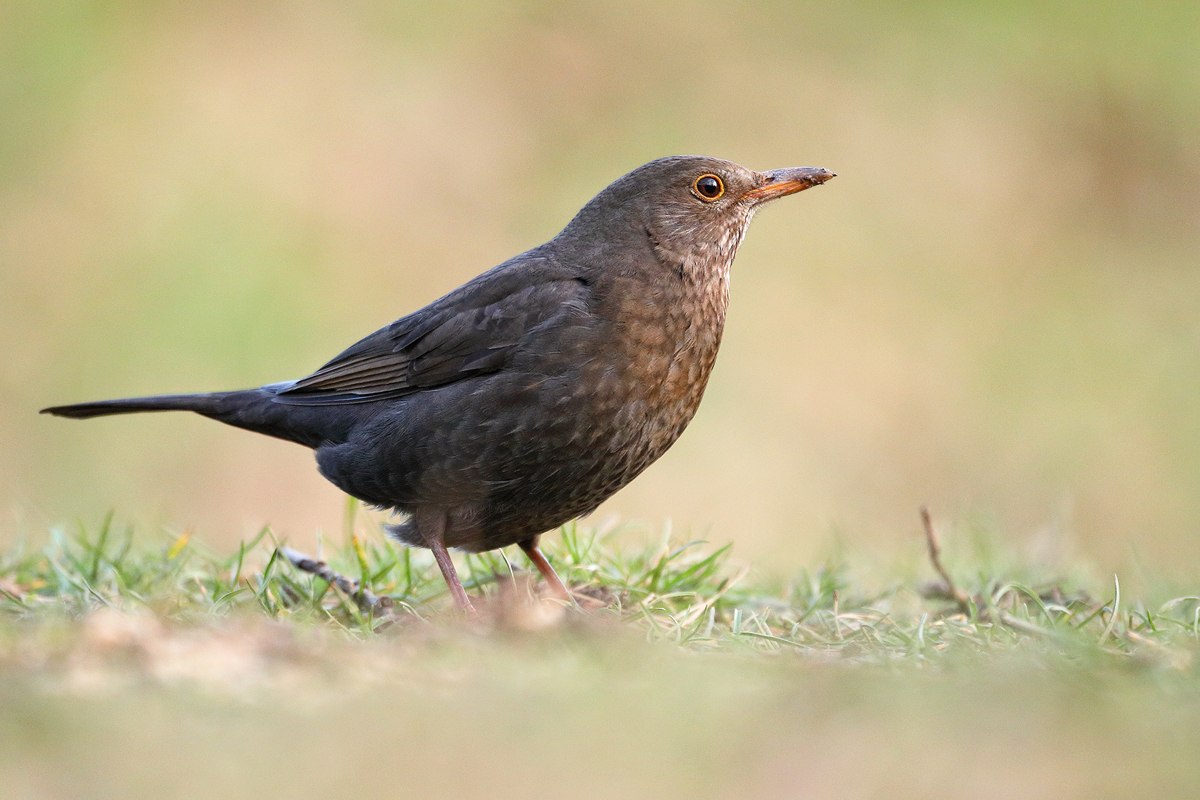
433, 529
530, 546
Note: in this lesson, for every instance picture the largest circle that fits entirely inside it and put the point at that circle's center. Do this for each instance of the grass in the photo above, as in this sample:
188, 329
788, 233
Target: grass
684, 593
129, 670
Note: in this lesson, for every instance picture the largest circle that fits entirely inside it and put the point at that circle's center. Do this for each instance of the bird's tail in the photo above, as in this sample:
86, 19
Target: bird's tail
249, 409
200, 403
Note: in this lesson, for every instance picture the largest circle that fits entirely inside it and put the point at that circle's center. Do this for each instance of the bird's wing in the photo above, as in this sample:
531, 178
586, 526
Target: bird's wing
469, 332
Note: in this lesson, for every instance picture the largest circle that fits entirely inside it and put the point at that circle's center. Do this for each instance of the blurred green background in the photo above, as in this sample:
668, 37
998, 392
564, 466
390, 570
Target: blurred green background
994, 309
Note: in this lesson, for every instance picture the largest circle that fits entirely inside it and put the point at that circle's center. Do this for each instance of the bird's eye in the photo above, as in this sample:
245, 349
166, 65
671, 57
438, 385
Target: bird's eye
709, 187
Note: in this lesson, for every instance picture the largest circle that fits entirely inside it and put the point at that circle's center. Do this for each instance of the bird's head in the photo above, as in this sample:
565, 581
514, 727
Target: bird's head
693, 210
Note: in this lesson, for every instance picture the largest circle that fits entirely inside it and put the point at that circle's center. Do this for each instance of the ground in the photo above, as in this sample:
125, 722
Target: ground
128, 671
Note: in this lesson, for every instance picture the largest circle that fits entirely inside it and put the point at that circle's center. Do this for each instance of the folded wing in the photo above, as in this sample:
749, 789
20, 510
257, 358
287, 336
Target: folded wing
473, 331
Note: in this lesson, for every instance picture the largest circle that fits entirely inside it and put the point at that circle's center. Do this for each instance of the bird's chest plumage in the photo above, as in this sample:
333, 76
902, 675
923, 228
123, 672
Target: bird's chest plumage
670, 366
665, 337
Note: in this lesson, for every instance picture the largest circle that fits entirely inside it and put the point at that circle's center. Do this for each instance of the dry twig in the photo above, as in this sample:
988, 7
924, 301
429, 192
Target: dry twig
366, 599
950, 590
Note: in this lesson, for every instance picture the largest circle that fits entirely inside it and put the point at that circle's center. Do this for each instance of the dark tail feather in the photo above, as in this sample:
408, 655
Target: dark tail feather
250, 409
200, 403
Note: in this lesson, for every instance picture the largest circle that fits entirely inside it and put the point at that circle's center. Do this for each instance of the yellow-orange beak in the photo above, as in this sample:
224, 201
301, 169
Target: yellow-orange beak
780, 182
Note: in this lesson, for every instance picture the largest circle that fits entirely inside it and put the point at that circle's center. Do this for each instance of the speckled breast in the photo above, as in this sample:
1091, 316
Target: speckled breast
628, 404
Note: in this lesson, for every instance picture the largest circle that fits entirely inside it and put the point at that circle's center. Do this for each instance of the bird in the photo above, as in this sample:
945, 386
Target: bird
532, 393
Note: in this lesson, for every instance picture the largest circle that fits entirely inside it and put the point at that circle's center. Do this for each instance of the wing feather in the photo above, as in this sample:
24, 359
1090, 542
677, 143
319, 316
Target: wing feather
472, 331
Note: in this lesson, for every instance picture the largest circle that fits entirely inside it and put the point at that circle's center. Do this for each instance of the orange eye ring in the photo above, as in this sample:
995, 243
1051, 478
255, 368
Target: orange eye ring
708, 187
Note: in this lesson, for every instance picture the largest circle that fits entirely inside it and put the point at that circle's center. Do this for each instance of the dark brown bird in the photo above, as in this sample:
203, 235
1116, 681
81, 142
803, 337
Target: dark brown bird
529, 395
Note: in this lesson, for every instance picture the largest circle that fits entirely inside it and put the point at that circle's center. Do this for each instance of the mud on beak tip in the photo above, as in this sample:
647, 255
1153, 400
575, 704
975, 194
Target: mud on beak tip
808, 176
782, 182
815, 176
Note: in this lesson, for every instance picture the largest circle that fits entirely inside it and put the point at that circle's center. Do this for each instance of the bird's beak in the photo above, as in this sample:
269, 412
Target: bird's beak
780, 182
